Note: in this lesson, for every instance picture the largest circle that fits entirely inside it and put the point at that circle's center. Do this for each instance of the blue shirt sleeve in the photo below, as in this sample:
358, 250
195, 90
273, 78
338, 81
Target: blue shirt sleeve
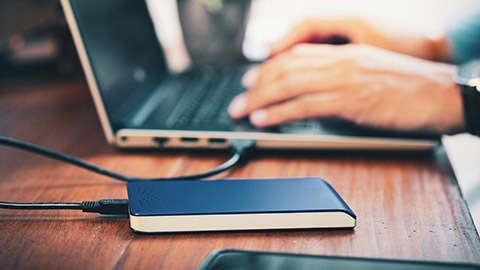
464, 39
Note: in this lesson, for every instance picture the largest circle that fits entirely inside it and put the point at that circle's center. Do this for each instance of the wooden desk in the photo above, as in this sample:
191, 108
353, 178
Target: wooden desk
407, 207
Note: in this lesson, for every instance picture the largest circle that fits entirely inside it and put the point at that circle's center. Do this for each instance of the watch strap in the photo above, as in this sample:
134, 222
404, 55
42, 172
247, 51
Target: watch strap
471, 108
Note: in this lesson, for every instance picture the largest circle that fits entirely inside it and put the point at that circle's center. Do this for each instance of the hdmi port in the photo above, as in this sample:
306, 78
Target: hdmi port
189, 139
217, 140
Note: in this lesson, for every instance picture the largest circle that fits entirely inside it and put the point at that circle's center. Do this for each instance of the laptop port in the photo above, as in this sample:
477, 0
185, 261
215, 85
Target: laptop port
160, 140
217, 141
189, 139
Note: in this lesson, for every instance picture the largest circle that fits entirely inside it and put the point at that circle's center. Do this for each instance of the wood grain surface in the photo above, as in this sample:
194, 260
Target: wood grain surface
408, 206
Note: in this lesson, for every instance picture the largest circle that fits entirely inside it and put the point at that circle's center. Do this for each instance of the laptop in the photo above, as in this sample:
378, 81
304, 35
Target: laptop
142, 105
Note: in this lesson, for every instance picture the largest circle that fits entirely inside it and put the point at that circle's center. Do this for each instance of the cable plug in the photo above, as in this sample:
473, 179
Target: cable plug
106, 207
242, 146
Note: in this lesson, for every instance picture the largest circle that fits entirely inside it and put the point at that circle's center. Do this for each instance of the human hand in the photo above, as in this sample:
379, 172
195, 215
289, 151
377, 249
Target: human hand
356, 30
363, 84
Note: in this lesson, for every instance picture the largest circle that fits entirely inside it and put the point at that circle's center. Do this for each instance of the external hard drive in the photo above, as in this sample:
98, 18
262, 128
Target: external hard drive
241, 204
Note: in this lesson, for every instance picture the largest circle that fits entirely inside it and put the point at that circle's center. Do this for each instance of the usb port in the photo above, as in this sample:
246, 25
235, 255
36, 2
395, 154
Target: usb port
189, 139
217, 141
160, 140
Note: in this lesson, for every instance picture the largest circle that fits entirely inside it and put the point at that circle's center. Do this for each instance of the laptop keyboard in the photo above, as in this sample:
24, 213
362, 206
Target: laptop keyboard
205, 99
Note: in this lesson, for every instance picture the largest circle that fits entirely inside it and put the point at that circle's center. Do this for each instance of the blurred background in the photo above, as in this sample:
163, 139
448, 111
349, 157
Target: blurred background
34, 38
270, 19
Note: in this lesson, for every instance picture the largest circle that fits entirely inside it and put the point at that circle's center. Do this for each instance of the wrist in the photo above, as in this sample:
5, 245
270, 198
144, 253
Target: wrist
459, 124
468, 80
448, 116
452, 116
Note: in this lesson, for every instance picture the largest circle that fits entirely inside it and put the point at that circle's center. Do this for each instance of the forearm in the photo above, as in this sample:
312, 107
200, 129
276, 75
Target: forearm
429, 45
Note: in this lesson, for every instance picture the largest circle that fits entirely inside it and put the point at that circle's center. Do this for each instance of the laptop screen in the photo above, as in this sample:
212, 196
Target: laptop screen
122, 48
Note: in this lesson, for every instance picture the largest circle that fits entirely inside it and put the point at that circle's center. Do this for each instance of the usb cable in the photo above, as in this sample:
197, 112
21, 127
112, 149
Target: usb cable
104, 207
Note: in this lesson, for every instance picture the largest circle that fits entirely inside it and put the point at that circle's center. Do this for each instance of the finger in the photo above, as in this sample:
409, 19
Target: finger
301, 57
237, 106
314, 30
300, 33
250, 77
291, 86
306, 106
323, 59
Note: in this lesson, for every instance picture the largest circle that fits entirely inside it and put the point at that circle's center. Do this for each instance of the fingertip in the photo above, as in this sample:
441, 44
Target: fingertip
259, 118
250, 78
237, 106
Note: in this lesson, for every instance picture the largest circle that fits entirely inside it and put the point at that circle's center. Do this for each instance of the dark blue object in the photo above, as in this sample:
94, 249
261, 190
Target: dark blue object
203, 197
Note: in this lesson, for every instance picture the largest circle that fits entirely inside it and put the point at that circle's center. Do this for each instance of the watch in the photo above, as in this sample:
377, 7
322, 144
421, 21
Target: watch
468, 77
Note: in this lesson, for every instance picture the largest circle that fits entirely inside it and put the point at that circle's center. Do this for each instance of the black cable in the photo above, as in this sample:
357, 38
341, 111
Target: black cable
108, 206
31, 206
240, 146
105, 207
